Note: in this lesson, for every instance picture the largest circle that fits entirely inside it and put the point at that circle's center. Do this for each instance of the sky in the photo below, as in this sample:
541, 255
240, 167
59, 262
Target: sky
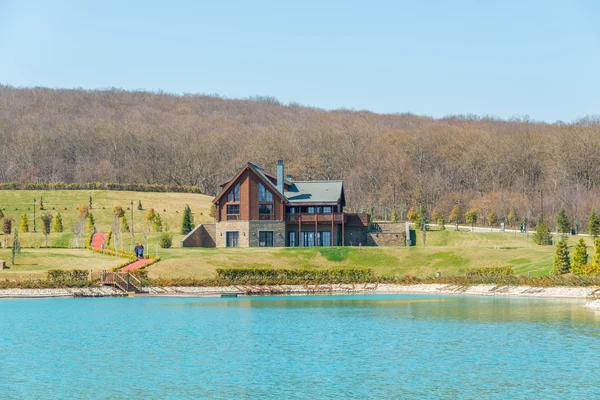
505, 59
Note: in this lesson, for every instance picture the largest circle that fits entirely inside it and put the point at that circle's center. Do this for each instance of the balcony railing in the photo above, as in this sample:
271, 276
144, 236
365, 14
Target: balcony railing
308, 218
233, 217
265, 217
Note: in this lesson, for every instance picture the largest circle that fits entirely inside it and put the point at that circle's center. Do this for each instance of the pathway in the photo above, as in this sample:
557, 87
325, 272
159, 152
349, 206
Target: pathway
99, 239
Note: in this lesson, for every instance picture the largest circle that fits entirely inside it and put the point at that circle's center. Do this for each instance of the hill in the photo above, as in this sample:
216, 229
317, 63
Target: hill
14, 203
387, 161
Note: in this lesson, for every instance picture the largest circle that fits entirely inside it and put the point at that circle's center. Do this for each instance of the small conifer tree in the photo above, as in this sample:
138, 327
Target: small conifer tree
58, 225
90, 203
150, 215
562, 222
24, 226
471, 218
596, 259
492, 218
213, 211
187, 222
123, 225
594, 224
580, 255
542, 234
90, 224
16, 247
441, 223
7, 229
455, 214
512, 216
562, 261
412, 214
140, 205
394, 216
41, 203
157, 223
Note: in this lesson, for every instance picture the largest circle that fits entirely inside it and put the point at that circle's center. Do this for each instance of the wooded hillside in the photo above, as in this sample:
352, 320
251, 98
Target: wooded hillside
140, 137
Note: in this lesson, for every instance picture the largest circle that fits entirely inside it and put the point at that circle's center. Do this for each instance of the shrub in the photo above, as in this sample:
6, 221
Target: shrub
166, 240
412, 214
488, 272
589, 270
441, 223
118, 211
455, 214
213, 211
58, 225
157, 223
274, 276
83, 210
139, 207
542, 234
150, 215
124, 226
471, 217
393, 219
562, 261
67, 275
108, 238
580, 255
90, 224
24, 226
134, 187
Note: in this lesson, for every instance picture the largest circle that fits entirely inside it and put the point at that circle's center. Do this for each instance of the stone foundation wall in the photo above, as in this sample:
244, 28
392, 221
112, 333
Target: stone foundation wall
277, 227
243, 227
203, 235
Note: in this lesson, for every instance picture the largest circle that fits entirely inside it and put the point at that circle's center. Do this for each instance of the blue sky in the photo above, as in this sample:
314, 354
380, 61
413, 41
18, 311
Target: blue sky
500, 58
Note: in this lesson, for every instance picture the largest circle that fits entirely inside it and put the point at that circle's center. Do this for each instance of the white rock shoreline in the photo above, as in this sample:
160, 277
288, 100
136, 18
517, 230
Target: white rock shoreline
584, 293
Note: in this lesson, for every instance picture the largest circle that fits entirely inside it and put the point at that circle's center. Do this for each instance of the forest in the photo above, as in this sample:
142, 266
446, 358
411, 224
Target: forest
388, 162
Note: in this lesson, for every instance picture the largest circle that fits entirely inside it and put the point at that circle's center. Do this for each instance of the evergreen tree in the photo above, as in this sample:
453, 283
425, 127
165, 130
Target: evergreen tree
422, 219
542, 234
157, 223
16, 247
562, 261
41, 203
1, 213
492, 218
123, 225
412, 214
213, 211
596, 259
24, 226
140, 205
394, 217
455, 214
47, 225
90, 204
512, 216
441, 221
562, 222
594, 224
90, 224
109, 237
187, 222
471, 218
580, 255
7, 229
58, 225
150, 216
435, 214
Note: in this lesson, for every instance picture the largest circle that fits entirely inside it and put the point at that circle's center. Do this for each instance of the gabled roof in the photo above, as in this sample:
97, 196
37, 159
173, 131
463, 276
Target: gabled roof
316, 192
265, 173
258, 171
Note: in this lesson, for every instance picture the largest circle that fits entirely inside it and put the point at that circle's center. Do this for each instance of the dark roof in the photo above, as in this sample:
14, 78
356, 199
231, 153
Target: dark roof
315, 192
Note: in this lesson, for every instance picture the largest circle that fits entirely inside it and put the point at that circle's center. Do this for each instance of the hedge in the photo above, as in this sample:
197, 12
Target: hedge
68, 275
134, 187
270, 276
488, 272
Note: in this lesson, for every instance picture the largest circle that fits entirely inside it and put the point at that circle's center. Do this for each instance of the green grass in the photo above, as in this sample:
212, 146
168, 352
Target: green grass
33, 263
169, 205
447, 251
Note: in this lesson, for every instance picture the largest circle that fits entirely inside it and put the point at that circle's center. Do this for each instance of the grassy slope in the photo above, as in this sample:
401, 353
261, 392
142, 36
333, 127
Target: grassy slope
34, 262
169, 205
446, 251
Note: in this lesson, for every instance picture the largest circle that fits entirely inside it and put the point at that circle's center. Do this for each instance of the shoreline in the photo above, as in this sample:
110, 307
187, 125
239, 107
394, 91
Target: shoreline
556, 292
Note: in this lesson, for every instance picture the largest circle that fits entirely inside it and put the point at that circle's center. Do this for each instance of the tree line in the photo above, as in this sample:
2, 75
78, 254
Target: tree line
389, 162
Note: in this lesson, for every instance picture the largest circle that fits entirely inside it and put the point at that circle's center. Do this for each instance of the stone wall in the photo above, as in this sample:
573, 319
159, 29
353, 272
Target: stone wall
387, 234
354, 236
277, 227
243, 227
203, 235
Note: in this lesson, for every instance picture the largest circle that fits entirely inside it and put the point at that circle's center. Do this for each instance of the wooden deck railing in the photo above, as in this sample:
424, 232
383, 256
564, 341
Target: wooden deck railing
305, 217
123, 280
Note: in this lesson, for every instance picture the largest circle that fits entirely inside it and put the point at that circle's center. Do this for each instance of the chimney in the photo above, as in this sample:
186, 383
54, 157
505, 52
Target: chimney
289, 178
280, 175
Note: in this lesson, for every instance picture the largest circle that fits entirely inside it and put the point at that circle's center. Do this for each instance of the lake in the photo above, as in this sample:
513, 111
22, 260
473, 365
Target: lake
305, 347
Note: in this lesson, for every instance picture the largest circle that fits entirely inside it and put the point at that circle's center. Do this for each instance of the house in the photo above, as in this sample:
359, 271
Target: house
256, 208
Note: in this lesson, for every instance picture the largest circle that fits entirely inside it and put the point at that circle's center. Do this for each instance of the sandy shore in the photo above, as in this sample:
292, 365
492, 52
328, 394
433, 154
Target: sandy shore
584, 293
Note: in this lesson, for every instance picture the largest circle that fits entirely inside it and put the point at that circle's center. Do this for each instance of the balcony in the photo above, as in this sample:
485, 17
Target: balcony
295, 218
233, 217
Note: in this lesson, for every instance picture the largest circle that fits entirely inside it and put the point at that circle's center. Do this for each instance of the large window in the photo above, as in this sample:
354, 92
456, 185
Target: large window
292, 239
233, 211
233, 239
234, 194
308, 239
265, 239
265, 211
325, 239
264, 196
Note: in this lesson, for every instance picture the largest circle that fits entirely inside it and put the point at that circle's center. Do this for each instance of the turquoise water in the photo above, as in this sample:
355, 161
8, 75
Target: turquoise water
360, 346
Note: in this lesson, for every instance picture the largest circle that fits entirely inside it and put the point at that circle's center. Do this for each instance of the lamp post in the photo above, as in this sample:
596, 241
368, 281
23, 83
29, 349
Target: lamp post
34, 202
132, 230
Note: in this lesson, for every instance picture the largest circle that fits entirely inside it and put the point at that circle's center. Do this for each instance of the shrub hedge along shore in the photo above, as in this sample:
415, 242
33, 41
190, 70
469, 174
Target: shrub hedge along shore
134, 187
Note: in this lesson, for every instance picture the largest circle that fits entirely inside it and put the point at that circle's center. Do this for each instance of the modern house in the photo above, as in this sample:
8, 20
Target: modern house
258, 208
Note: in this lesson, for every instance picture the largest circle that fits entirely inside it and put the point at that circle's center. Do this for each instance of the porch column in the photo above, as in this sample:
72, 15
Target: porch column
332, 218
300, 231
316, 230
343, 229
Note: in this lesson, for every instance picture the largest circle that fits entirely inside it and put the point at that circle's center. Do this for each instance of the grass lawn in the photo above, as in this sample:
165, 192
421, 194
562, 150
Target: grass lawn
169, 205
35, 262
446, 251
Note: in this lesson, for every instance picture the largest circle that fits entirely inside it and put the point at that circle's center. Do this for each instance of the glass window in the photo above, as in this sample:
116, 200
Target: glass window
234, 194
265, 239
292, 239
233, 239
233, 209
327, 210
311, 210
264, 195
265, 211
324, 238
292, 210
308, 239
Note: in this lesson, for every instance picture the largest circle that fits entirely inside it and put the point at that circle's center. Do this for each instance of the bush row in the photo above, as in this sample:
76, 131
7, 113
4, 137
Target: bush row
134, 187
68, 275
269, 276
484, 272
